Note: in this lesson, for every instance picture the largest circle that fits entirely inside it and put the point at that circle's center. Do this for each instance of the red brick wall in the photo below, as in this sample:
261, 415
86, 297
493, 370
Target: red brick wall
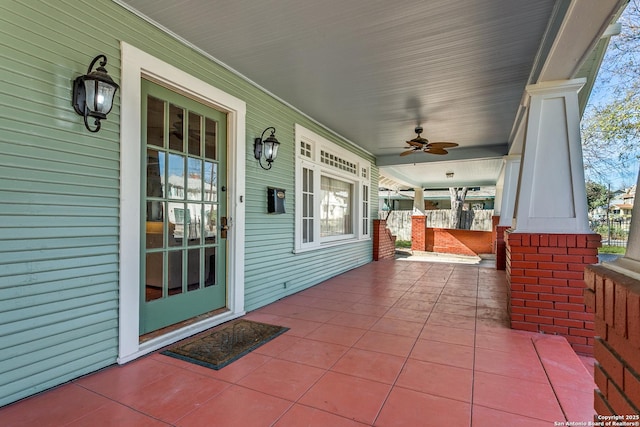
546, 284
500, 246
460, 242
418, 230
384, 244
615, 299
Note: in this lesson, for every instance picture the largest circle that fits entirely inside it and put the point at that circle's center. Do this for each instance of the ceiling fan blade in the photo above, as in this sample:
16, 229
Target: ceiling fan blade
442, 144
406, 153
436, 150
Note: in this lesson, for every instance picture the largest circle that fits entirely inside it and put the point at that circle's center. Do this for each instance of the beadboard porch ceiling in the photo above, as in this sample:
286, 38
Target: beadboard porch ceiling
371, 70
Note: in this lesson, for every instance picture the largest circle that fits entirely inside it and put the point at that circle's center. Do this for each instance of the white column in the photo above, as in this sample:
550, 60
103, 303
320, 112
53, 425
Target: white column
551, 195
506, 195
418, 201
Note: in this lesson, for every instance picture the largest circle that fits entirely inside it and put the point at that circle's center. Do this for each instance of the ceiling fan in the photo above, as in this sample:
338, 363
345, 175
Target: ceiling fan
422, 144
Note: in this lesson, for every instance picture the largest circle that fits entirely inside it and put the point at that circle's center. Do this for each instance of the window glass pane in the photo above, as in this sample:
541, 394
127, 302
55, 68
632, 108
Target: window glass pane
194, 134
305, 234
305, 205
335, 207
210, 148
307, 230
176, 127
155, 121
365, 209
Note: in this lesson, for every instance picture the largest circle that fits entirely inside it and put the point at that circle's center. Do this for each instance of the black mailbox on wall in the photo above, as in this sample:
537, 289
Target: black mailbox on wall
275, 200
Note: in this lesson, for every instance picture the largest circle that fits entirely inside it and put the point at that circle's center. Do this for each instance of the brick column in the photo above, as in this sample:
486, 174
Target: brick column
384, 243
418, 233
615, 299
546, 284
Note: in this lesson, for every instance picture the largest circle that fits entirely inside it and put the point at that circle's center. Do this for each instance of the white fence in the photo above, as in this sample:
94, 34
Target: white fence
399, 222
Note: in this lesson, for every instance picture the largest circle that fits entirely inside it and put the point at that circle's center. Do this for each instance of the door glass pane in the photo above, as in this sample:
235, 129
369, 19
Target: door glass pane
194, 134
176, 127
175, 188
210, 147
194, 180
154, 225
194, 228
210, 182
209, 266
210, 223
177, 212
154, 280
174, 271
193, 269
155, 173
155, 121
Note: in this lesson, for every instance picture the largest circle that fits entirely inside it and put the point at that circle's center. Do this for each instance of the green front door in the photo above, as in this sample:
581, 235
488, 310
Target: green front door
184, 208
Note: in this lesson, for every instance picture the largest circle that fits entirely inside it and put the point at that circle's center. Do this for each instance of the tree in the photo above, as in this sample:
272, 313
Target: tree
597, 195
457, 201
611, 122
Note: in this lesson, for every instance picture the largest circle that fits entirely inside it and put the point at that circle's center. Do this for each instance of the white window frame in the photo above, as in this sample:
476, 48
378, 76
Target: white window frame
314, 163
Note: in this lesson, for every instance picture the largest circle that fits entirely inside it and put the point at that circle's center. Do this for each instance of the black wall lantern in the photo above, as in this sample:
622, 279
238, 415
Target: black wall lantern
268, 147
93, 93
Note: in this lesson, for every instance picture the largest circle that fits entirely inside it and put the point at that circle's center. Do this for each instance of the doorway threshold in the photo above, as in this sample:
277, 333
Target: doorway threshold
181, 325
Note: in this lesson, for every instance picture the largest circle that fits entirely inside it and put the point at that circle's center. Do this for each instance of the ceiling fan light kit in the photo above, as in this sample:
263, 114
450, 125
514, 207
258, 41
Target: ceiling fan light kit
422, 144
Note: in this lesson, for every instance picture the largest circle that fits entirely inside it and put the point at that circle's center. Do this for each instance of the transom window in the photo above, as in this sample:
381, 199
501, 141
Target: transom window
332, 193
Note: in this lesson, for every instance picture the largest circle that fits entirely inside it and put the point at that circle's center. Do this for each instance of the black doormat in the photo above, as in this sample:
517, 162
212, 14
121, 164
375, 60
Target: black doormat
223, 345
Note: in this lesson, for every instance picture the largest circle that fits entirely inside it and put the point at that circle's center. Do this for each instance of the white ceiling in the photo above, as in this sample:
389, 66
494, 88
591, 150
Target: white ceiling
371, 70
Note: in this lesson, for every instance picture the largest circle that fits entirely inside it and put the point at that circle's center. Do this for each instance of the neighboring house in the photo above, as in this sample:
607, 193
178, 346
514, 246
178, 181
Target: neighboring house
622, 203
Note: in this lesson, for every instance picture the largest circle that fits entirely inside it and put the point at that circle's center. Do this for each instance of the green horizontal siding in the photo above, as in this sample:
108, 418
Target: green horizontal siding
59, 192
59, 196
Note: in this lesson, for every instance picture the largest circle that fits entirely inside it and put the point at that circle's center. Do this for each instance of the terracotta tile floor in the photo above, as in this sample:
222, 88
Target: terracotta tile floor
393, 343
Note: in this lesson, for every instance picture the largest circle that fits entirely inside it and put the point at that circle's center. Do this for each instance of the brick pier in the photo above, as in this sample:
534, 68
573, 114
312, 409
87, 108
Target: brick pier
546, 284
